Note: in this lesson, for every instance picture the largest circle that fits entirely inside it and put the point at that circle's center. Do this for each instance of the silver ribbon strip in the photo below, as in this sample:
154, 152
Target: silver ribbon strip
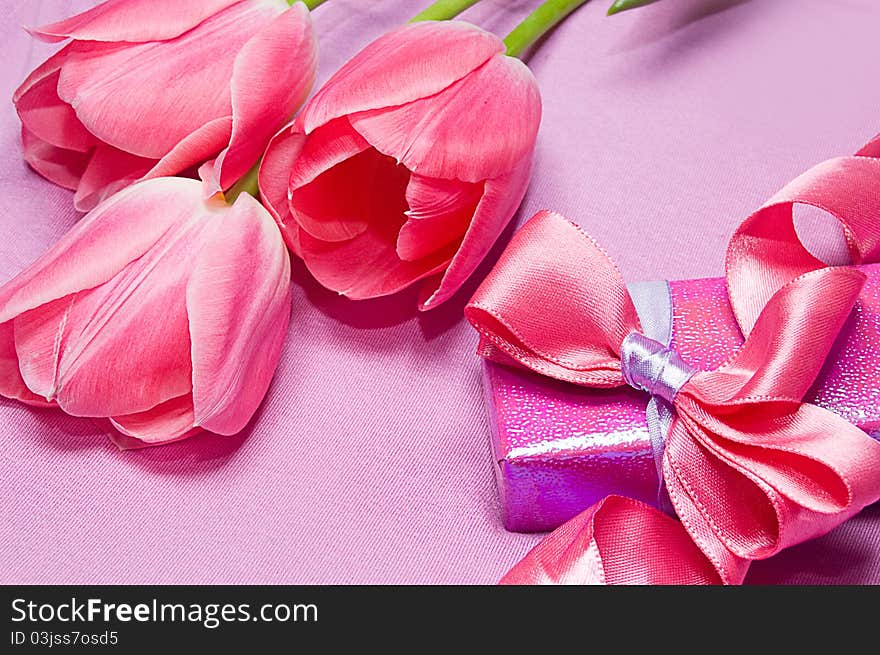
649, 365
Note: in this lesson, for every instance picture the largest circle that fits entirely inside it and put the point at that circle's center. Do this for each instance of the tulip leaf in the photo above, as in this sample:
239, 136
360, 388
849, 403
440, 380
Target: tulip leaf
623, 5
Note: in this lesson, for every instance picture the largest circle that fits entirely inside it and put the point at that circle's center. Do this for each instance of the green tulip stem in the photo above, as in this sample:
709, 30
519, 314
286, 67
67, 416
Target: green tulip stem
310, 4
249, 183
444, 10
623, 5
538, 23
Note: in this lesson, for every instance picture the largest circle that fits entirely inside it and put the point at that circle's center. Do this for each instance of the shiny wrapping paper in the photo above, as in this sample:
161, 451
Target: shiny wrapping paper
559, 448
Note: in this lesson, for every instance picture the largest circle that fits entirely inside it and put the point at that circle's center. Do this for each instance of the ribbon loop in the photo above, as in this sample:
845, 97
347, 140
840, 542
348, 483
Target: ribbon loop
537, 307
648, 365
766, 252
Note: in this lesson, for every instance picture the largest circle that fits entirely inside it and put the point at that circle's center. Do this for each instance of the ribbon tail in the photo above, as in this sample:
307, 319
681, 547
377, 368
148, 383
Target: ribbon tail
617, 541
660, 415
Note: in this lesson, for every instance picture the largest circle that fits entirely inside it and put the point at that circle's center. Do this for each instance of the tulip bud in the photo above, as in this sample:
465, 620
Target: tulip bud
148, 88
408, 163
160, 310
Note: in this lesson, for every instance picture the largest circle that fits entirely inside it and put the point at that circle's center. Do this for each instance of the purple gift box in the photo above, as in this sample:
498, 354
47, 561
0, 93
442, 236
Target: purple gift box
559, 448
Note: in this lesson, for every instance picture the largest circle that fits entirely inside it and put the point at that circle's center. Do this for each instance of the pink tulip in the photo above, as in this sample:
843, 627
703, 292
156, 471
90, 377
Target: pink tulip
408, 163
148, 88
160, 310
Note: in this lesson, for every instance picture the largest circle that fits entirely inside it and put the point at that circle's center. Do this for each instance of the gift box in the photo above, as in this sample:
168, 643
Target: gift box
559, 448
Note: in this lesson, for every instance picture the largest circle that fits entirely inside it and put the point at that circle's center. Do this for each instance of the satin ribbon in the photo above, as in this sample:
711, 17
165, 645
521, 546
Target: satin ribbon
653, 303
750, 468
766, 252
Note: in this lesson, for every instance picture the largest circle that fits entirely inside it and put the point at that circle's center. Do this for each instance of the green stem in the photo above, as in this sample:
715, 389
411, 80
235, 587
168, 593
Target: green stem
247, 184
538, 23
444, 10
623, 5
310, 4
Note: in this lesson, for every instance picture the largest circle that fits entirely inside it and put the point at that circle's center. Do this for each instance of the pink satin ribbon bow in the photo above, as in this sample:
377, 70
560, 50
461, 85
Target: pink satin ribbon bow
749, 467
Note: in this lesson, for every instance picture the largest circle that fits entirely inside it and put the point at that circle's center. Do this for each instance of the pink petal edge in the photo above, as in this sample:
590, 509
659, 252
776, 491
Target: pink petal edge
171, 421
480, 127
501, 199
265, 96
132, 21
238, 302
98, 246
414, 61
62, 167
145, 98
283, 150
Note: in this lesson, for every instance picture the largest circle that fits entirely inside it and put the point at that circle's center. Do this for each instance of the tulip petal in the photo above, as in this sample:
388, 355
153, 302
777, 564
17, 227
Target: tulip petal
41, 72
195, 149
303, 160
11, 383
439, 214
122, 347
172, 420
38, 339
109, 170
329, 145
367, 266
501, 198
283, 150
128, 362
292, 239
415, 61
45, 115
132, 20
265, 96
341, 202
145, 98
102, 244
480, 127
63, 167
238, 301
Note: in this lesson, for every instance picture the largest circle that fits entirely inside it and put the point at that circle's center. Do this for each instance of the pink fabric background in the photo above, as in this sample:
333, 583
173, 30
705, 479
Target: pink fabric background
370, 462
